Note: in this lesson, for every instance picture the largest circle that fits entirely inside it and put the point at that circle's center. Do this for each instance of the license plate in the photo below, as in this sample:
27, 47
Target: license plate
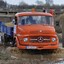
31, 47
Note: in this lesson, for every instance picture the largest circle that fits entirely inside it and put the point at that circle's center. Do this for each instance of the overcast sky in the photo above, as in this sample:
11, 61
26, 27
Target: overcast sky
32, 1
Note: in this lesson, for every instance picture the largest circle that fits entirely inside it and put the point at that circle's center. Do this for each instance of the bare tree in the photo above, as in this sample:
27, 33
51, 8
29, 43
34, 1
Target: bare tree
22, 3
2, 4
39, 2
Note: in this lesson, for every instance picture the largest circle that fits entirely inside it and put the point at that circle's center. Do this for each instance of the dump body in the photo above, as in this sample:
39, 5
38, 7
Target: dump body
7, 31
37, 33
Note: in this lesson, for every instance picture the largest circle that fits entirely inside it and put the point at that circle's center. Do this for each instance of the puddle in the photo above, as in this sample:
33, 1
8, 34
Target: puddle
62, 62
59, 61
37, 57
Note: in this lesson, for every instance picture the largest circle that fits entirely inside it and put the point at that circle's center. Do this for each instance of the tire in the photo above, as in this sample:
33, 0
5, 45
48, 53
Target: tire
13, 42
5, 40
2, 38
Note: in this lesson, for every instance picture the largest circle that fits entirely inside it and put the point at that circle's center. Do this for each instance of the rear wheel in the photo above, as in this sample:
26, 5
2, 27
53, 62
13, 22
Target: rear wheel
6, 40
2, 39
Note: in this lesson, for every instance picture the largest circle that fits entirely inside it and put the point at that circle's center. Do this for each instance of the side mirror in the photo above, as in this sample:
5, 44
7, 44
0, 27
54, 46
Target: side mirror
14, 21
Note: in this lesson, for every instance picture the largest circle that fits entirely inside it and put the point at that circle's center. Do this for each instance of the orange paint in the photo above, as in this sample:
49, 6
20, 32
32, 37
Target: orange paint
39, 36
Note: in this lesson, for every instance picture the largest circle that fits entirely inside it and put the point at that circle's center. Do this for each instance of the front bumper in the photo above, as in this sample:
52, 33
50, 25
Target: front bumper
37, 46
50, 46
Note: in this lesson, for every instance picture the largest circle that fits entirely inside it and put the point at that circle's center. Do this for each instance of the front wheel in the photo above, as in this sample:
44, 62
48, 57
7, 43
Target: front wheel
13, 42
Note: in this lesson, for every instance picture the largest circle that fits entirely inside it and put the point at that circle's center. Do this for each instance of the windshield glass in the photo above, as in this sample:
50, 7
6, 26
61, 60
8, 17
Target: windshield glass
29, 20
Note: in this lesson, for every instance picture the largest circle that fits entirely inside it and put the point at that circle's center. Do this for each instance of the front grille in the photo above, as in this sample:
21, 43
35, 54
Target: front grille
40, 39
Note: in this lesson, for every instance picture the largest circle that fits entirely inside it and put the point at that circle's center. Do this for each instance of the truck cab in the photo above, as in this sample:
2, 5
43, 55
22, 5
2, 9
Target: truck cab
35, 30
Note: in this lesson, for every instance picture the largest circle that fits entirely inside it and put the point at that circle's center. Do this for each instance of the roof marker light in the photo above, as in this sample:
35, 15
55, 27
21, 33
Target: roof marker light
33, 10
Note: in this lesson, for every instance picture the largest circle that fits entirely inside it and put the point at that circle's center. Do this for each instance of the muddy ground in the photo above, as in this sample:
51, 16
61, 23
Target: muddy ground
12, 55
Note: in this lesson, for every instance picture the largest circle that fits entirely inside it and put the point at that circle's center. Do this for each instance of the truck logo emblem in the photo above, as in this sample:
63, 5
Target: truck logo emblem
40, 39
40, 30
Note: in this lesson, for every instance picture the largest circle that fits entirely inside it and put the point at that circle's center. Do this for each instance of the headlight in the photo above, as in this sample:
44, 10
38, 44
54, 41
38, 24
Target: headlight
25, 39
53, 39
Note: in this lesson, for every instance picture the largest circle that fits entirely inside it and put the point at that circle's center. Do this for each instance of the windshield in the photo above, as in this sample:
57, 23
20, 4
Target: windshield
29, 20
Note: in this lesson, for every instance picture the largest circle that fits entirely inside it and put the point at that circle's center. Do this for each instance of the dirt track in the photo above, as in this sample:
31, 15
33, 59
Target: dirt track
12, 55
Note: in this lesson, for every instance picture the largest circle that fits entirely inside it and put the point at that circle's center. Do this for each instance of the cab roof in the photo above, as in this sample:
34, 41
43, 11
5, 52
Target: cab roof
33, 13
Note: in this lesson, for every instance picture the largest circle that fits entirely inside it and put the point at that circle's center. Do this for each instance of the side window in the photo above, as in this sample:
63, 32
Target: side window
21, 21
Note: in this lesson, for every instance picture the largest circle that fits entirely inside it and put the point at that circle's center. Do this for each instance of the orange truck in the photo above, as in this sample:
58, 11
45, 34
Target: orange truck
35, 30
